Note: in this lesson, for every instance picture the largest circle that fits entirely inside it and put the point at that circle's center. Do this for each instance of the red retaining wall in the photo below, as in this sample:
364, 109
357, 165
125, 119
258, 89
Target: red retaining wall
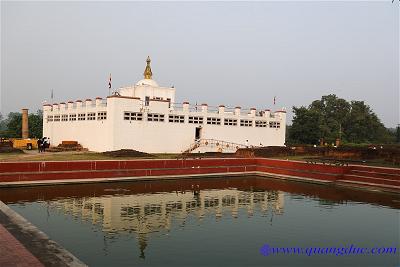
66, 170
302, 166
47, 166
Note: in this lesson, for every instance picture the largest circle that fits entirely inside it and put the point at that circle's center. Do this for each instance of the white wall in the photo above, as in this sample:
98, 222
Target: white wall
94, 135
142, 91
155, 137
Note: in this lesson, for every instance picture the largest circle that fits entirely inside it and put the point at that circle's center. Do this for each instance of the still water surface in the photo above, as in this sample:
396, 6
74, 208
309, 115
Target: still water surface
210, 222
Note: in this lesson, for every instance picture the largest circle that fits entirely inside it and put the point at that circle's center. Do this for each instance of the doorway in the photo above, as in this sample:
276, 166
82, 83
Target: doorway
197, 135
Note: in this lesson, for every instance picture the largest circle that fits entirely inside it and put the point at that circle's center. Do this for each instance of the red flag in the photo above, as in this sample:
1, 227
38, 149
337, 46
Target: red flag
109, 83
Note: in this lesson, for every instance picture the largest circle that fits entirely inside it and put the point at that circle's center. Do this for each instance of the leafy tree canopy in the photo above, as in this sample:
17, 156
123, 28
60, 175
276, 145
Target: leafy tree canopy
331, 117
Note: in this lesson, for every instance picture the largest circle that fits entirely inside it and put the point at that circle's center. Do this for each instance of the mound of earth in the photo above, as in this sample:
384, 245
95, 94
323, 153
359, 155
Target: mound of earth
8, 149
127, 153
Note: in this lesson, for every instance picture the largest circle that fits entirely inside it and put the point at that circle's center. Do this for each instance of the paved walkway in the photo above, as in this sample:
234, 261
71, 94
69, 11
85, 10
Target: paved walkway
22, 244
13, 253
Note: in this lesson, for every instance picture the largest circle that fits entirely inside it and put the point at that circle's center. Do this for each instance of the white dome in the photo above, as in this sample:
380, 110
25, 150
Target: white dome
148, 82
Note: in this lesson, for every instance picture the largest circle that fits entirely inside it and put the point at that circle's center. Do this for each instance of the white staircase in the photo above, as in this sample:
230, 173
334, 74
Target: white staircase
215, 145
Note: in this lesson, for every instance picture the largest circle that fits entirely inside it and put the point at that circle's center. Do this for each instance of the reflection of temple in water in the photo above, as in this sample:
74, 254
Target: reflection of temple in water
147, 213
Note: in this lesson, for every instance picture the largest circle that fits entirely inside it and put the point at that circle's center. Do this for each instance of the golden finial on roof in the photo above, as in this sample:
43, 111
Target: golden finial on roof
147, 71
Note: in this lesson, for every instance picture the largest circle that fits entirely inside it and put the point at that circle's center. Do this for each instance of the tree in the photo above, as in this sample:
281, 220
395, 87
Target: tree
331, 117
35, 122
333, 112
14, 125
398, 134
3, 126
363, 126
306, 126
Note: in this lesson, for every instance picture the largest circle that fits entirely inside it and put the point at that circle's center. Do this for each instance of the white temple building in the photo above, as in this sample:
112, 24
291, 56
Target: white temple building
146, 118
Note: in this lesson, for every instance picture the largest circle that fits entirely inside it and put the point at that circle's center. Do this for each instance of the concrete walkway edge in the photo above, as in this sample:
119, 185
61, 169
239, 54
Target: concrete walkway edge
47, 251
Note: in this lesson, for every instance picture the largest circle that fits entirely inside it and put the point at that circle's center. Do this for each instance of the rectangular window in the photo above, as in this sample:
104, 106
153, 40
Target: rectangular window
196, 120
232, 122
72, 117
133, 116
56, 117
214, 121
64, 117
49, 118
91, 116
155, 117
274, 124
176, 118
102, 115
147, 100
81, 117
246, 123
261, 124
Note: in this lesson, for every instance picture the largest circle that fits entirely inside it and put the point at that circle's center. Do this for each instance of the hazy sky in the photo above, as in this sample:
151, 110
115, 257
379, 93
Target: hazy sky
215, 52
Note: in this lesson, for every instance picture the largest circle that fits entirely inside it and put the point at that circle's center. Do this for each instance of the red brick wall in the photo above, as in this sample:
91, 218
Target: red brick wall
59, 170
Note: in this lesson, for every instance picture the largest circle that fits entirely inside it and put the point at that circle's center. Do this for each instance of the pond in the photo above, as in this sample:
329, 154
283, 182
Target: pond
232, 221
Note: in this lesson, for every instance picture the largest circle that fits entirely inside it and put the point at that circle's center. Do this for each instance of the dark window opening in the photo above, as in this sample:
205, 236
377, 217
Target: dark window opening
198, 133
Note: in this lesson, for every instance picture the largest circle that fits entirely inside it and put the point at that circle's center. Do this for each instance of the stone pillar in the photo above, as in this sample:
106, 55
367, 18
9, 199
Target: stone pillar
70, 104
46, 107
98, 101
253, 112
25, 128
185, 106
88, 102
237, 111
204, 108
221, 109
78, 103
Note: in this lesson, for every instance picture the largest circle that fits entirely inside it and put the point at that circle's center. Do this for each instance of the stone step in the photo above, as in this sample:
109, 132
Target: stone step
391, 188
383, 175
395, 171
311, 174
373, 180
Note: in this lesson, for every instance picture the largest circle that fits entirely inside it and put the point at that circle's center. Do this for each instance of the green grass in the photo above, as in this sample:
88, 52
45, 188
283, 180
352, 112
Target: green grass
65, 156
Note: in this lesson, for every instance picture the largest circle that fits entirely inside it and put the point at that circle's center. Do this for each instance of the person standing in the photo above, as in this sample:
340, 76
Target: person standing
44, 144
39, 145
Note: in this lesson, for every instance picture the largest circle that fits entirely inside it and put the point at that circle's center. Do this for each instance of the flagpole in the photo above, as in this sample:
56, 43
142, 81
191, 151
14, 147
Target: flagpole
52, 99
109, 86
52, 114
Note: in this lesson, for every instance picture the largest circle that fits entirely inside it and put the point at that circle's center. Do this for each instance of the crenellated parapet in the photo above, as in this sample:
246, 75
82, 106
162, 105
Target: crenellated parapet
225, 111
75, 105
162, 106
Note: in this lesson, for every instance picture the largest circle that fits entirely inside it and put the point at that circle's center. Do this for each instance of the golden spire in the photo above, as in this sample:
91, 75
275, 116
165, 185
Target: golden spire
147, 71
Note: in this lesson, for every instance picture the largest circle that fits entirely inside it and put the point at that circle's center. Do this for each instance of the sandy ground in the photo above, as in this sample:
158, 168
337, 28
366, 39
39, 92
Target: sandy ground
34, 155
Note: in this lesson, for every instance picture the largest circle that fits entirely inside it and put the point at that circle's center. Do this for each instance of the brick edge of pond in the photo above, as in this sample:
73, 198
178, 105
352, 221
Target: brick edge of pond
56, 172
